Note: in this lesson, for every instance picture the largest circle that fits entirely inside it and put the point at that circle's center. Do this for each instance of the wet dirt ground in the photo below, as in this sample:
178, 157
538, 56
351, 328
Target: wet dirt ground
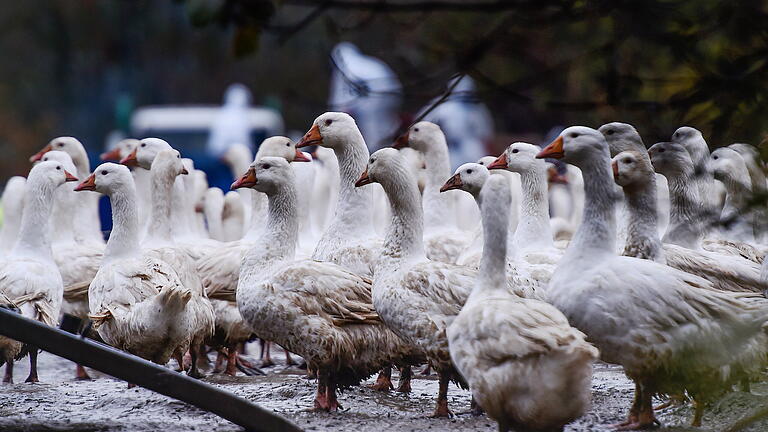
60, 403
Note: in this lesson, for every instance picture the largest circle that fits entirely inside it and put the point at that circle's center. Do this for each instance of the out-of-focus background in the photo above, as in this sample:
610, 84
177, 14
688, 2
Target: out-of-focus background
101, 70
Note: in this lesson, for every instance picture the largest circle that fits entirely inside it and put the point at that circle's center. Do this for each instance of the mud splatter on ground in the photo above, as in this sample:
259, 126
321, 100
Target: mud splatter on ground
59, 403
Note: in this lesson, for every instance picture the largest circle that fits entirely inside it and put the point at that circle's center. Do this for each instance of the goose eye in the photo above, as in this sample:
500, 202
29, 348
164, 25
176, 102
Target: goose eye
574, 135
58, 167
627, 161
143, 144
416, 129
469, 171
609, 132
61, 144
481, 163
371, 160
266, 166
714, 157
662, 150
328, 122
515, 150
288, 144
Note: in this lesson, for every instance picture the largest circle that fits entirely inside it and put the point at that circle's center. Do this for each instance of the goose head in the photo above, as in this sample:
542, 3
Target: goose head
107, 178
51, 173
621, 137
70, 145
267, 175
630, 168
63, 158
727, 164
422, 137
671, 159
519, 157
169, 163
280, 146
145, 152
386, 166
332, 130
692, 140
577, 145
122, 149
469, 177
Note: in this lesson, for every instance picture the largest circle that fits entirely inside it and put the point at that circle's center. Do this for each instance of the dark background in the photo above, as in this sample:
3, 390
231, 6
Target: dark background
79, 67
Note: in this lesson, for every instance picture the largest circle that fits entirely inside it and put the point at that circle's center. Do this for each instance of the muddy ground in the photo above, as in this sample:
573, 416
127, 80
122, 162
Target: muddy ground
60, 403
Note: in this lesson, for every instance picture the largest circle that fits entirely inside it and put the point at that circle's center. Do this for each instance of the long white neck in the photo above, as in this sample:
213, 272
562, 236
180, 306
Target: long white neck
533, 230
159, 230
13, 206
438, 207
124, 240
642, 229
405, 236
495, 217
353, 219
686, 224
596, 235
278, 239
83, 165
738, 190
63, 216
34, 236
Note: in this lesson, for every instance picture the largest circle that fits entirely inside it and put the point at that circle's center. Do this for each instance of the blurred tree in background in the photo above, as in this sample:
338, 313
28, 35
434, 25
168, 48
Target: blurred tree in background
77, 68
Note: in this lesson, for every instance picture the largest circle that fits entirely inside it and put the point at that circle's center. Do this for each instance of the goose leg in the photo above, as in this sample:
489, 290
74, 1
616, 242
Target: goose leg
179, 357
321, 398
8, 379
218, 366
404, 385
475, 408
288, 360
633, 410
193, 371
698, 413
81, 374
231, 368
441, 409
645, 418
32, 378
333, 403
267, 362
384, 380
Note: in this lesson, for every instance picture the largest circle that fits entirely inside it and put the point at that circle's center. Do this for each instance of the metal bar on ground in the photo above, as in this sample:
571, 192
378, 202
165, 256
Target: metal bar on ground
143, 373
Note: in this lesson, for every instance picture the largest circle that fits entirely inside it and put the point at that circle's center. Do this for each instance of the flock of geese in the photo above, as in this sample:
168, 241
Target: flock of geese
649, 259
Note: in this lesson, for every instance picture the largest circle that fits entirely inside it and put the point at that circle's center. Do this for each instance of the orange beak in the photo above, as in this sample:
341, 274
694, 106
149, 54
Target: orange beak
299, 157
69, 177
553, 150
452, 183
39, 155
401, 141
499, 163
113, 154
247, 180
364, 179
615, 167
130, 160
88, 185
312, 137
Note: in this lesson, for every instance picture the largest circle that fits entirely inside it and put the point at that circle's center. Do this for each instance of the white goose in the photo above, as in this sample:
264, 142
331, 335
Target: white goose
166, 167
137, 301
624, 137
315, 309
533, 370
13, 206
416, 297
350, 239
220, 268
671, 331
28, 274
736, 219
729, 273
88, 209
238, 158
444, 241
213, 206
687, 224
233, 216
141, 177
514, 187
757, 177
